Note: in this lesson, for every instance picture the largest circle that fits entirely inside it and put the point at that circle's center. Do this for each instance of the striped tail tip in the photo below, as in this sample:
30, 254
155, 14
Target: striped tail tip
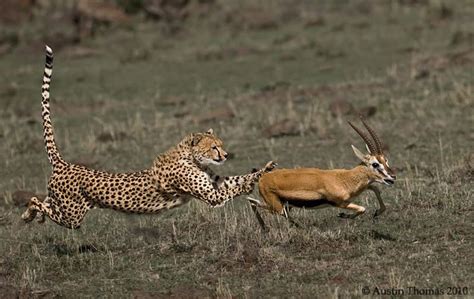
48, 49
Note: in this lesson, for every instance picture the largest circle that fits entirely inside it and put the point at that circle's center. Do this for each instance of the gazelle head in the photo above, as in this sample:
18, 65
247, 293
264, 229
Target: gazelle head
375, 159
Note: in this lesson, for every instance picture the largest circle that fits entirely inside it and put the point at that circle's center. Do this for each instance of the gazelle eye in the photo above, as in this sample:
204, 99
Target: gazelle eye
375, 165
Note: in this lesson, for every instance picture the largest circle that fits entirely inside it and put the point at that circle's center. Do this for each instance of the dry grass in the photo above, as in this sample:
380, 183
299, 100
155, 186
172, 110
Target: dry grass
116, 108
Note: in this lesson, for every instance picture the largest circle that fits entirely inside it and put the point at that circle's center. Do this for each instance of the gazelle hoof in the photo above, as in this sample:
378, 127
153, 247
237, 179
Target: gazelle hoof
378, 213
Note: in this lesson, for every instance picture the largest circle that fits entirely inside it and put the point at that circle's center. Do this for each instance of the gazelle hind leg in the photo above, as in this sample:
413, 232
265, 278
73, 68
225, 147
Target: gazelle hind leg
35, 206
286, 214
255, 204
264, 205
358, 211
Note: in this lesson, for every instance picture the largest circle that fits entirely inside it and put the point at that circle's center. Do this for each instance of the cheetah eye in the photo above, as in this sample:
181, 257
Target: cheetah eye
214, 147
375, 165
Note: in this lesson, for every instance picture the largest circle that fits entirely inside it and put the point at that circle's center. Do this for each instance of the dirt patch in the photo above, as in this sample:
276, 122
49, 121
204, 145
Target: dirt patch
16, 11
68, 108
341, 107
227, 53
61, 249
29, 145
8, 291
282, 91
285, 127
220, 114
175, 11
462, 37
21, 198
464, 173
5, 218
314, 21
8, 41
90, 14
376, 235
9, 90
185, 292
252, 18
150, 234
111, 136
173, 101
80, 52
442, 62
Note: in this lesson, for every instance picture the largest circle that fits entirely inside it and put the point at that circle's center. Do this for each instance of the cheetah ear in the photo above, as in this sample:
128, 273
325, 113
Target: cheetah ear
196, 139
210, 131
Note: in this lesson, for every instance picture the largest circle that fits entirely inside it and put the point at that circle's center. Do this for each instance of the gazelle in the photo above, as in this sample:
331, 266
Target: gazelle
315, 188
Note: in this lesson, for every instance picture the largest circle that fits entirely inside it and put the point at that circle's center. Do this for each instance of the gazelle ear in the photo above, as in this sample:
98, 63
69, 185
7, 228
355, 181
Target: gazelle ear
368, 149
358, 153
210, 131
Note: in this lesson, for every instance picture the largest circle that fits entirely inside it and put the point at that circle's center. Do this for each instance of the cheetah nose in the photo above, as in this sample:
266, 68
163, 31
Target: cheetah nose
226, 155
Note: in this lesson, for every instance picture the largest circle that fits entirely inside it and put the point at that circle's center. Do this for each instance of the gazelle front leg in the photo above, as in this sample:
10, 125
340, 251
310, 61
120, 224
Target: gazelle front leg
359, 210
379, 199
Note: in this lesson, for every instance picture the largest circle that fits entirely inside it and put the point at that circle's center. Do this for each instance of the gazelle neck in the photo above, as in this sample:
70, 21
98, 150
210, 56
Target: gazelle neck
362, 172
358, 179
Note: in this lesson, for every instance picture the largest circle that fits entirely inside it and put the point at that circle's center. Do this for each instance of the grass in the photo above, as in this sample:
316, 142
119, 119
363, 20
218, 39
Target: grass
143, 89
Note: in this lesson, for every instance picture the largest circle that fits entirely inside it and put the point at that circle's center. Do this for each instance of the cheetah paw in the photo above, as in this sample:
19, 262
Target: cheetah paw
270, 166
28, 215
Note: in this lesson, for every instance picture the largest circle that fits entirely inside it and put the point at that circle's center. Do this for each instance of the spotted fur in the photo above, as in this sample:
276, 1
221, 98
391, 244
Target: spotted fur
175, 177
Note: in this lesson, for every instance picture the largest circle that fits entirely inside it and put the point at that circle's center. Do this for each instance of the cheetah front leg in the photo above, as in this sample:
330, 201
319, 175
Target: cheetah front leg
41, 215
214, 178
216, 196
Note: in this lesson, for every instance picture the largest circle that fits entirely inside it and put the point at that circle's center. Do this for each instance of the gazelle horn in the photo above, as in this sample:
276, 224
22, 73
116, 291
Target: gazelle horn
366, 138
378, 143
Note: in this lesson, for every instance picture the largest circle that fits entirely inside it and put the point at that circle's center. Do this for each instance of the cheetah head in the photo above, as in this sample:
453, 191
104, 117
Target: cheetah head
207, 148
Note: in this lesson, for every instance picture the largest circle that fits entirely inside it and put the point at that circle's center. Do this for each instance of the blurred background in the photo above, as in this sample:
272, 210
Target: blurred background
276, 80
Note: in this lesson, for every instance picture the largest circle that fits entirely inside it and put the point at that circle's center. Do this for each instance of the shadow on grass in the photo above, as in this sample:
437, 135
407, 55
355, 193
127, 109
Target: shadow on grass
381, 236
64, 249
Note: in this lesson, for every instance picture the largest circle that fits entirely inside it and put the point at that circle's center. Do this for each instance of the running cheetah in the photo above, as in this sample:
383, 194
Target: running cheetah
175, 177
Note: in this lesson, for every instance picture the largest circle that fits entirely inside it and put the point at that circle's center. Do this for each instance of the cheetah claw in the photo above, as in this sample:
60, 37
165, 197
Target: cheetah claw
270, 166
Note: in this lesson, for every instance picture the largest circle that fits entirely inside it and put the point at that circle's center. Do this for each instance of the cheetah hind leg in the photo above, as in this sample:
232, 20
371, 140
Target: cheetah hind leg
35, 206
41, 215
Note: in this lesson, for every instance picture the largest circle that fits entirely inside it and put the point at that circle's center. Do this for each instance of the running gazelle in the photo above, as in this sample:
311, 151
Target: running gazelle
313, 187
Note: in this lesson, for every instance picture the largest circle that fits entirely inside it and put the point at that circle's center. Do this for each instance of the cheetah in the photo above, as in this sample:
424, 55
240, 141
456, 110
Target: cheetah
176, 176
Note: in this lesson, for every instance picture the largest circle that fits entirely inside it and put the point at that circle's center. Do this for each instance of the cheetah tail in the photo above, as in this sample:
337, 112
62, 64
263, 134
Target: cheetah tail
53, 153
